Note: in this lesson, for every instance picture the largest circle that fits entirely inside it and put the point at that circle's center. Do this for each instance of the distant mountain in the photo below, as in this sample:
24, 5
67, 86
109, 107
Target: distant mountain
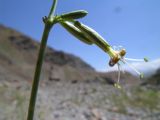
18, 55
24, 43
154, 80
148, 68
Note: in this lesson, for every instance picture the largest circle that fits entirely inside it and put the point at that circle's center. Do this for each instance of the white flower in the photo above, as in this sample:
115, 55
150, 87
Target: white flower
119, 56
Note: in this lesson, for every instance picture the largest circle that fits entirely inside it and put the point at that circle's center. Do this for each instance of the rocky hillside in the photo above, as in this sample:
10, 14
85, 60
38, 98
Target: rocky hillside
70, 89
16, 41
18, 54
153, 81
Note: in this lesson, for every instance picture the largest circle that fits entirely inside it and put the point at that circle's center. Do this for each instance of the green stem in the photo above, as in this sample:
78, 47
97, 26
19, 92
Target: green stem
52, 10
35, 84
37, 73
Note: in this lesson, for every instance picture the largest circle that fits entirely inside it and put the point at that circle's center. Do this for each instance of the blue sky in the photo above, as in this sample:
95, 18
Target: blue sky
133, 24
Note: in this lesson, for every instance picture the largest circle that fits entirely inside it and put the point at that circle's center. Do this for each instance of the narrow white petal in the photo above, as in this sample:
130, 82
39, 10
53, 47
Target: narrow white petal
131, 66
121, 68
136, 60
119, 72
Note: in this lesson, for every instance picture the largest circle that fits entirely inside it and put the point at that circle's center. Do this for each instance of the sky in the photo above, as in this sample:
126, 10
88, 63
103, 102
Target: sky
133, 24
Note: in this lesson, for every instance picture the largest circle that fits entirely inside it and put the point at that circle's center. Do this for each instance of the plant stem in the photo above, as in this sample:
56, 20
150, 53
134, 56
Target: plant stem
37, 73
38, 68
52, 10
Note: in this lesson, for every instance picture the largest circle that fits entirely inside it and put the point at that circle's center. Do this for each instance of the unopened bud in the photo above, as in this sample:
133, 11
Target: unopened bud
75, 32
74, 15
93, 35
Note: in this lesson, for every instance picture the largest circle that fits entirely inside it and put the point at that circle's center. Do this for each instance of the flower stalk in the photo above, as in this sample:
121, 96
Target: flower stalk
37, 73
49, 22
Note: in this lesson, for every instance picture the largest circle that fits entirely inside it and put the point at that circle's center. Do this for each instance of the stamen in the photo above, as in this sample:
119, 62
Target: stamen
123, 71
131, 66
146, 59
141, 76
136, 60
117, 85
119, 72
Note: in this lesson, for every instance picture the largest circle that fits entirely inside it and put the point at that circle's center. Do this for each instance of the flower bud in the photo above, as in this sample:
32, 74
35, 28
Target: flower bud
122, 52
75, 32
74, 15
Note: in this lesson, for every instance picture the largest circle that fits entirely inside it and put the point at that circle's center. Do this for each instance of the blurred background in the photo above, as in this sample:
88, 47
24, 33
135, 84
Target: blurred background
76, 81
